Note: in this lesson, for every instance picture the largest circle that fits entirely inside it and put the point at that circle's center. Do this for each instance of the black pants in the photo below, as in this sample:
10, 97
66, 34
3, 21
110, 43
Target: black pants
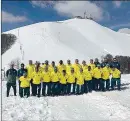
9, 85
54, 88
36, 89
79, 89
88, 86
69, 86
46, 86
97, 84
19, 87
24, 91
63, 89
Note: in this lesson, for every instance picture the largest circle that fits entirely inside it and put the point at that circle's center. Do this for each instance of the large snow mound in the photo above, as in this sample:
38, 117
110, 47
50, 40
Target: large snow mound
70, 39
110, 105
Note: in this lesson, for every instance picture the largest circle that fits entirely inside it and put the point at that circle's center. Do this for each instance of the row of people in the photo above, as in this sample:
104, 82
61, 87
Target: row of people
60, 79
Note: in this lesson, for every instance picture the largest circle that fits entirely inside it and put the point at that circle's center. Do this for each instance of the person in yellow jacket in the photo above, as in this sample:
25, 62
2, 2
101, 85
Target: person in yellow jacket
97, 74
36, 81
105, 78
24, 85
116, 76
55, 77
63, 82
77, 66
61, 66
80, 82
68, 67
92, 64
71, 82
46, 82
52, 66
46, 64
88, 80
84, 66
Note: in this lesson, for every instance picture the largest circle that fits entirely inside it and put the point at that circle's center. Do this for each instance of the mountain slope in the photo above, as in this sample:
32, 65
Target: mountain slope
70, 39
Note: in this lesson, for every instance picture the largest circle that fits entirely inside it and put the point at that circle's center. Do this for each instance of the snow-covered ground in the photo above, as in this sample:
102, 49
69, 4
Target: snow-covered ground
113, 105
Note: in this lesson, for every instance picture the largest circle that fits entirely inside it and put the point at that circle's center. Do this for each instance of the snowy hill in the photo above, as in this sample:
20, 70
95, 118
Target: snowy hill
70, 39
124, 30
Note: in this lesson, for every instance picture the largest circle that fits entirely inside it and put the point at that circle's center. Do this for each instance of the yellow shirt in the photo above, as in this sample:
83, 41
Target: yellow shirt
105, 73
92, 66
63, 79
97, 73
80, 78
40, 69
116, 73
30, 69
61, 68
43, 67
25, 82
77, 68
88, 75
46, 76
36, 76
85, 68
68, 68
71, 78
55, 77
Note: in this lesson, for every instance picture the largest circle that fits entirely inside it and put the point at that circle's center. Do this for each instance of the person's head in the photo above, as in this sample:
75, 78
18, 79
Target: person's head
107, 65
84, 62
89, 68
76, 61
72, 70
30, 62
22, 66
46, 69
98, 66
12, 66
25, 74
114, 60
36, 63
64, 72
96, 60
61, 62
46, 62
55, 69
42, 63
53, 63
68, 62
81, 70
91, 61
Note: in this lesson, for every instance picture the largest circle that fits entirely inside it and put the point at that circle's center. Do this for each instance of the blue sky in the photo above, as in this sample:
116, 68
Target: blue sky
114, 15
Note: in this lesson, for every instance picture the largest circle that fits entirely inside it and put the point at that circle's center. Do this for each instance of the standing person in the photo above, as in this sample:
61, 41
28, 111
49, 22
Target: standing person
36, 81
96, 62
55, 77
80, 82
71, 82
97, 74
61, 66
104, 63
46, 82
88, 80
116, 64
116, 77
53, 65
68, 67
84, 66
77, 66
63, 82
46, 64
105, 78
30, 69
24, 85
92, 64
11, 75
21, 71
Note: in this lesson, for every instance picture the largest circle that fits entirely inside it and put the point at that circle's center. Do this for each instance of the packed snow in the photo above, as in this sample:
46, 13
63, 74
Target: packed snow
110, 105
69, 39
124, 30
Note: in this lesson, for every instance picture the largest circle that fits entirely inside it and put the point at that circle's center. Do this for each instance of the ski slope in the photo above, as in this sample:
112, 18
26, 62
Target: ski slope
69, 39
112, 105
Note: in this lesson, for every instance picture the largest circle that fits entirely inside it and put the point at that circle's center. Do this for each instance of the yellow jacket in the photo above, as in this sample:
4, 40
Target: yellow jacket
43, 68
40, 69
46, 76
97, 73
105, 73
88, 75
80, 78
55, 77
116, 73
68, 68
92, 66
30, 69
36, 76
25, 82
85, 68
77, 68
63, 79
61, 68
71, 78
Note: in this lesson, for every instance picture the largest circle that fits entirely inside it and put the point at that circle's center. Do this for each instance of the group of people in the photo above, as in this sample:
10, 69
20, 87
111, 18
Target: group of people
64, 79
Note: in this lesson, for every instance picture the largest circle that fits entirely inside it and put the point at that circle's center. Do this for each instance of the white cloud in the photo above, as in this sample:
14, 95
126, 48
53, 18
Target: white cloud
117, 4
73, 8
10, 18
